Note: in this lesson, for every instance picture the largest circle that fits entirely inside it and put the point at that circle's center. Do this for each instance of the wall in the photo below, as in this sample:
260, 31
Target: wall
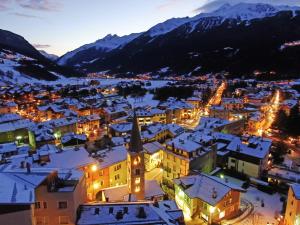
22, 217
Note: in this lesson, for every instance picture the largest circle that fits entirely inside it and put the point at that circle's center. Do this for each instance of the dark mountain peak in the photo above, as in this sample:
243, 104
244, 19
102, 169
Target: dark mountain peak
17, 43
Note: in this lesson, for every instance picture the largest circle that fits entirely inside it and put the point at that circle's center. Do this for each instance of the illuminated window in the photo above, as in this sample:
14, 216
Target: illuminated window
222, 214
117, 167
137, 161
137, 180
137, 189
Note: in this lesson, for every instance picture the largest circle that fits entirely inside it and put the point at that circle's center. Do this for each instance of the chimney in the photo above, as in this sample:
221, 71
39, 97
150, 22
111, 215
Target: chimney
119, 215
22, 165
97, 211
141, 213
214, 193
28, 167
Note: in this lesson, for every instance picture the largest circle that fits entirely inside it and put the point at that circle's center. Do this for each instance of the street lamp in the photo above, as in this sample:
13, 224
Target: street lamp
94, 168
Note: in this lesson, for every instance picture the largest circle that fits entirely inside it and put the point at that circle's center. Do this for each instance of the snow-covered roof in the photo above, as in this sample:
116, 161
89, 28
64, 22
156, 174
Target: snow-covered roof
15, 125
8, 117
100, 214
68, 158
153, 147
121, 127
18, 188
72, 136
183, 142
206, 188
61, 122
111, 156
8, 147
256, 147
211, 122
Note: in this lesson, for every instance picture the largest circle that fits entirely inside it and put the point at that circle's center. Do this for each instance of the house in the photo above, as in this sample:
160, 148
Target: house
148, 116
292, 210
8, 107
8, 149
120, 129
62, 126
112, 170
72, 139
219, 112
221, 125
15, 131
89, 125
177, 111
153, 155
184, 155
33, 196
249, 157
51, 157
232, 103
207, 197
41, 134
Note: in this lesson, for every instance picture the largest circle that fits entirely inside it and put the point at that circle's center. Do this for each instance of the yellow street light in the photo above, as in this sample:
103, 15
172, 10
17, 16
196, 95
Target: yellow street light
95, 186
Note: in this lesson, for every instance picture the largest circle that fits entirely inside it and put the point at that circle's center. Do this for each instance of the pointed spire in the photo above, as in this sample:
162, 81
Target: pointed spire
135, 144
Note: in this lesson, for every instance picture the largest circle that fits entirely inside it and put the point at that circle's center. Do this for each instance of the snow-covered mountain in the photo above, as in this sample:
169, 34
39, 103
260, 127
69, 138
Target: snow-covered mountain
106, 44
232, 38
49, 56
167, 26
95, 52
247, 11
20, 61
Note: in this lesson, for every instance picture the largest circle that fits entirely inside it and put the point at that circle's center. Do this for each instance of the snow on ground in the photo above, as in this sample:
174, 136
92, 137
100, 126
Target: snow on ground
154, 83
147, 100
262, 215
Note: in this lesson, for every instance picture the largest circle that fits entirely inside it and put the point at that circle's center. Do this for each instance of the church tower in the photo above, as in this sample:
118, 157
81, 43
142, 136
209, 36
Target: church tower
135, 163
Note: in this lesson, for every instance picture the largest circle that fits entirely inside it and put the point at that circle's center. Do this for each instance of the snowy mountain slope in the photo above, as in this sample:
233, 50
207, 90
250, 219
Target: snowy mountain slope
247, 11
106, 44
20, 57
49, 56
240, 12
167, 26
204, 43
9, 64
87, 55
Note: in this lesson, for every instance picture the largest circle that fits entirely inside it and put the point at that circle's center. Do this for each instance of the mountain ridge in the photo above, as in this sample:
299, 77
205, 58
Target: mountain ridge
117, 60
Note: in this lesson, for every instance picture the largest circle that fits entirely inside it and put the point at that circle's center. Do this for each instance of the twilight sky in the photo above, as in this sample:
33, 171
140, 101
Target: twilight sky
58, 26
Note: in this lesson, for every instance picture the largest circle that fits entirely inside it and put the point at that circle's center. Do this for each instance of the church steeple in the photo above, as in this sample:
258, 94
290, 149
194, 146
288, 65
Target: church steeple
136, 163
135, 144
